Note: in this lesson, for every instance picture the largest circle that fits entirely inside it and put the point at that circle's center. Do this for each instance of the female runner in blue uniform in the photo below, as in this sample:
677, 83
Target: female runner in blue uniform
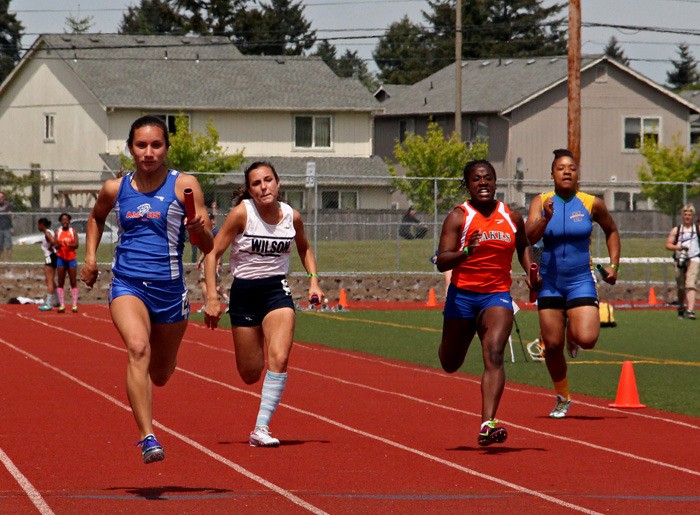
148, 297
260, 231
567, 303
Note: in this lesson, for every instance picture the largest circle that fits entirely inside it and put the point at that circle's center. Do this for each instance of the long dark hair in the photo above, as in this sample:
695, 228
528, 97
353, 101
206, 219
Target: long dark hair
243, 192
145, 121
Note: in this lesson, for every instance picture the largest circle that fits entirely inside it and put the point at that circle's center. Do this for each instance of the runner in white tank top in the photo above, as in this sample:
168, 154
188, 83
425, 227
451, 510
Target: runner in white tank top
260, 230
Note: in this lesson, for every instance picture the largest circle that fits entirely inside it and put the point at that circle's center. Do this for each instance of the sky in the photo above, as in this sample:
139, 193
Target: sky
650, 52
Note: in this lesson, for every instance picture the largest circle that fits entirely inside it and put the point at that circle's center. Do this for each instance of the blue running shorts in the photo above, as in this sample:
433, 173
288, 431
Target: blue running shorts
66, 263
568, 293
167, 301
468, 304
251, 299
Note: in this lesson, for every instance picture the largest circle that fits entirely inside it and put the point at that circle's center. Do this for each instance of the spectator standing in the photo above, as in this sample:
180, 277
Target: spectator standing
66, 243
48, 245
5, 228
683, 241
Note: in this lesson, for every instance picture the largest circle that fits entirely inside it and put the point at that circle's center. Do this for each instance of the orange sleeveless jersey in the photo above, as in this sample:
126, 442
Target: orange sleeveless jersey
488, 269
69, 236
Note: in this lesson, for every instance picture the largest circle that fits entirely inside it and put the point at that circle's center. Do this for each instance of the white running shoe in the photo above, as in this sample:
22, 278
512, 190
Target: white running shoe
560, 408
261, 437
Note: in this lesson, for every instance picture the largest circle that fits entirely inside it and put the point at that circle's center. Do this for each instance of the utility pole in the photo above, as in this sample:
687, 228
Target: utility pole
574, 82
458, 68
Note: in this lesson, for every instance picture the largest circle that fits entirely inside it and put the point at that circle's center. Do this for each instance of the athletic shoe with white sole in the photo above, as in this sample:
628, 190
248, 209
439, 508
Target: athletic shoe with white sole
491, 433
45, 307
261, 437
151, 450
560, 408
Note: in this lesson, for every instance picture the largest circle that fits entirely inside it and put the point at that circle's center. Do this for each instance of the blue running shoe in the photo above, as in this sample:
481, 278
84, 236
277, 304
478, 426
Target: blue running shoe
45, 307
151, 450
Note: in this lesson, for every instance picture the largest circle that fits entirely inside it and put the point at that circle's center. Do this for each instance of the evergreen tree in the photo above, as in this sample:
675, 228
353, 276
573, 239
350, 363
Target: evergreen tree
402, 54
327, 51
351, 65
684, 70
614, 51
152, 17
277, 28
10, 40
209, 17
76, 25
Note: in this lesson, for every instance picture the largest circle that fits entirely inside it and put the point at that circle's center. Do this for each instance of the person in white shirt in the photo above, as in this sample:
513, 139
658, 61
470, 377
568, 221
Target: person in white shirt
260, 230
683, 241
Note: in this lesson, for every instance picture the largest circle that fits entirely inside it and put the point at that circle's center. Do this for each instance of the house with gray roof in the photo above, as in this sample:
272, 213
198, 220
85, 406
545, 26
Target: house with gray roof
520, 107
68, 105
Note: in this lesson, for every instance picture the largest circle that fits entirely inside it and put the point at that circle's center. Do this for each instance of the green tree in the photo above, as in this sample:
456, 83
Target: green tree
352, 66
402, 54
75, 25
15, 186
10, 40
209, 17
613, 51
327, 52
153, 17
684, 69
194, 152
433, 156
671, 163
277, 28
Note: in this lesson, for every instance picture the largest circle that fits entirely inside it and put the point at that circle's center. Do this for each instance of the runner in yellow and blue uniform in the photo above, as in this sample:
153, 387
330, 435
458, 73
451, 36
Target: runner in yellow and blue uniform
567, 303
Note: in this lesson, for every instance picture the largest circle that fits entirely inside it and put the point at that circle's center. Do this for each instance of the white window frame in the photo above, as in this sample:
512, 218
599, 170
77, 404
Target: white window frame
169, 119
49, 127
314, 119
642, 131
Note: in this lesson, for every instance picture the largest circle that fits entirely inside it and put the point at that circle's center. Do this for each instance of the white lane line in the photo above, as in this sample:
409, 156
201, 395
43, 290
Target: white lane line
26, 485
241, 470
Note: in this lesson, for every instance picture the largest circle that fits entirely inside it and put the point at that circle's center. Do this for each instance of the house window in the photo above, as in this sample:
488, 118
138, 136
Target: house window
335, 199
406, 127
295, 198
695, 131
169, 120
637, 129
479, 129
49, 124
312, 131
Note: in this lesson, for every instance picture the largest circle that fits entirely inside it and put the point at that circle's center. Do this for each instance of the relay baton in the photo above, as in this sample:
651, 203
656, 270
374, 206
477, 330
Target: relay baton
190, 211
602, 271
534, 267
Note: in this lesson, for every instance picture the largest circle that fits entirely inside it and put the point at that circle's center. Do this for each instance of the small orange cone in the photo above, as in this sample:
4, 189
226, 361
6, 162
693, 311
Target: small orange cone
627, 396
652, 297
432, 301
343, 299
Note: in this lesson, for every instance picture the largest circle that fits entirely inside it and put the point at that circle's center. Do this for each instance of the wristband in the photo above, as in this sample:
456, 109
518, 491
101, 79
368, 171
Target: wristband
616, 267
467, 251
312, 274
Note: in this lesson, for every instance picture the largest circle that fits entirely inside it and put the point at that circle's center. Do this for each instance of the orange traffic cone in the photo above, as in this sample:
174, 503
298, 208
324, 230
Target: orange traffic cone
652, 297
343, 299
627, 396
432, 301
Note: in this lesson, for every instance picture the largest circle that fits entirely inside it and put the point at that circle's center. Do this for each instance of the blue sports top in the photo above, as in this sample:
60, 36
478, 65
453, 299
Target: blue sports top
567, 238
151, 231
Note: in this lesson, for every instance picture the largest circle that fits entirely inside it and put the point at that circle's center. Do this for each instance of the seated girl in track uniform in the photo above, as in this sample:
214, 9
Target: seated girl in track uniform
260, 230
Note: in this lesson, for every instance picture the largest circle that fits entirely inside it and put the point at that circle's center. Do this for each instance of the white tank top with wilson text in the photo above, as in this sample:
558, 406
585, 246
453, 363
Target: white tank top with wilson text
263, 250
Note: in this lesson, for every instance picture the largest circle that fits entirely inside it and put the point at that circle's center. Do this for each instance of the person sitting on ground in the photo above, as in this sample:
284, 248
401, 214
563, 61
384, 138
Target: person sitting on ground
411, 227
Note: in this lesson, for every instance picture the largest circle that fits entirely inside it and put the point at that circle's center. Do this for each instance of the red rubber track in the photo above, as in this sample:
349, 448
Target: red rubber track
359, 435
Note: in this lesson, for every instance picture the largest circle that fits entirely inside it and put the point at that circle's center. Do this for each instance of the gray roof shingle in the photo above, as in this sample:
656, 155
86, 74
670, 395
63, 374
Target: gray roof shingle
171, 72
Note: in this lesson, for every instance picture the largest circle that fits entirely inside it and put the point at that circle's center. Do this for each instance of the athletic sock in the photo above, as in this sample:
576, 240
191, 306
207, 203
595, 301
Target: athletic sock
74, 295
61, 297
272, 390
49, 299
562, 388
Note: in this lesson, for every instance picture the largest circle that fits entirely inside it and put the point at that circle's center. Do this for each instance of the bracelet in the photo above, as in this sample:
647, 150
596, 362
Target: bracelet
616, 267
312, 274
467, 251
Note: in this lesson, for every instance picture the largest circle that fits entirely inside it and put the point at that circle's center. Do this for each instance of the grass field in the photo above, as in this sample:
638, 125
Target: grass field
665, 351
